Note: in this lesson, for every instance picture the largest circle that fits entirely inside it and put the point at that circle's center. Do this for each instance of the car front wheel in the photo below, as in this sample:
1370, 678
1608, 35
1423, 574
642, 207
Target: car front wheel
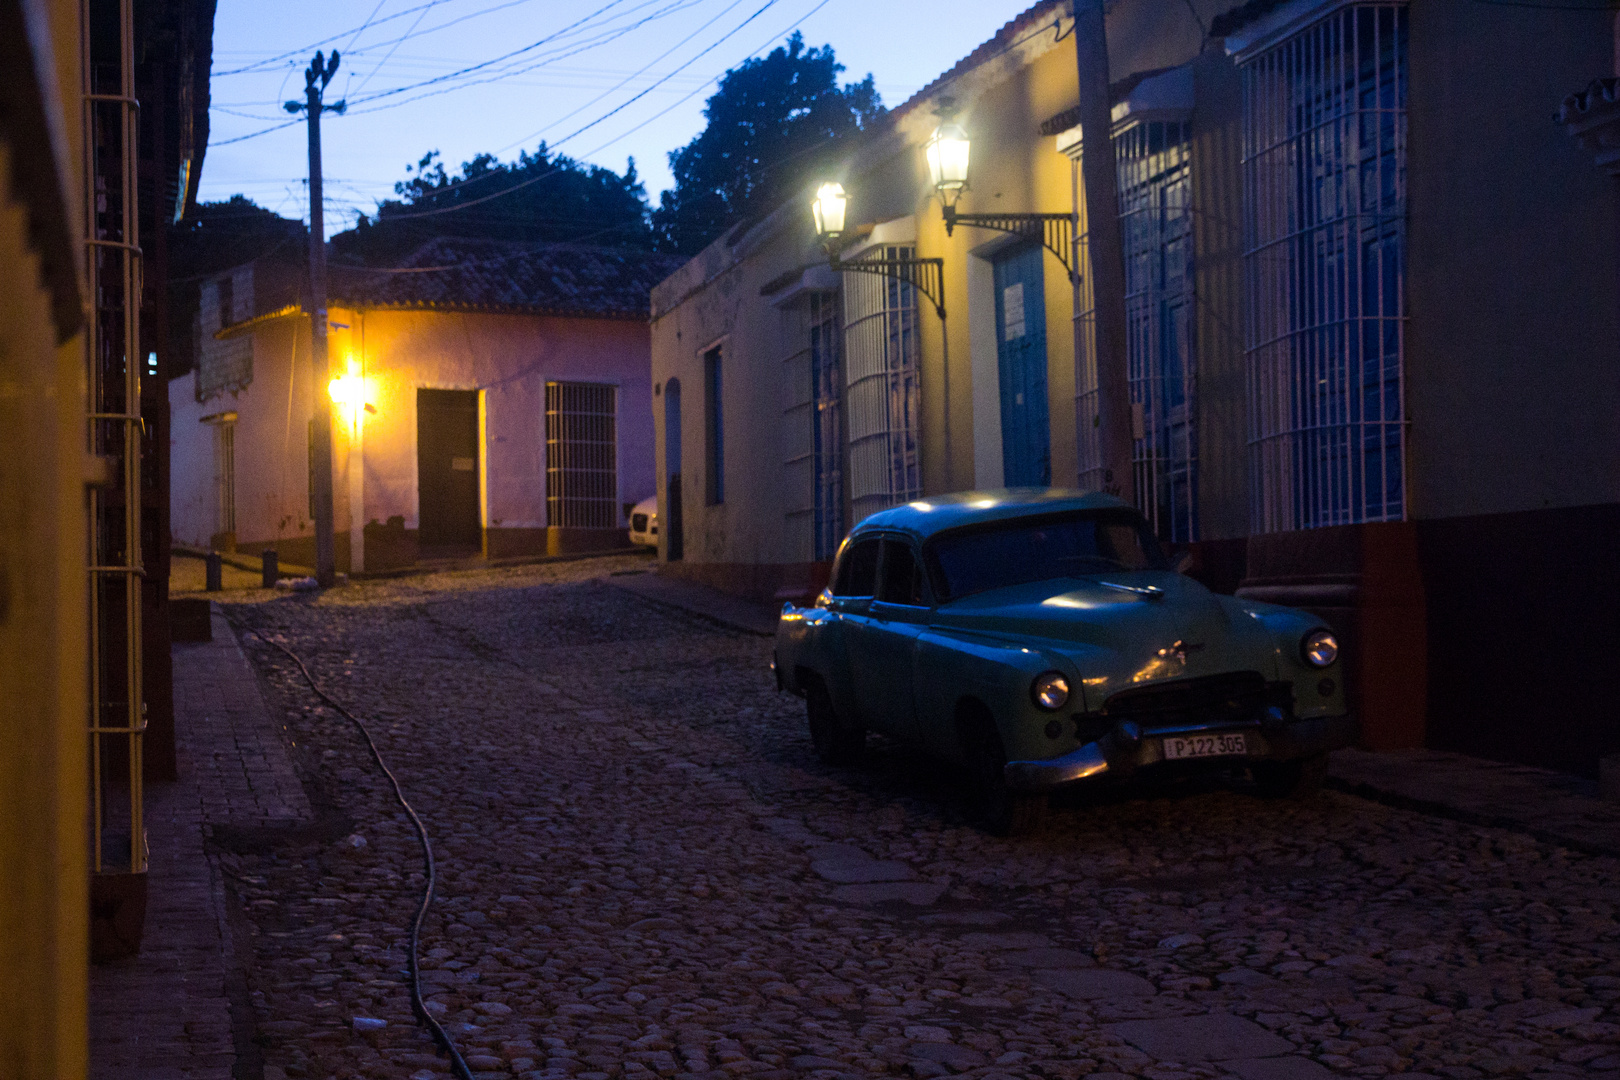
1297, 779
836, 743
1005, 812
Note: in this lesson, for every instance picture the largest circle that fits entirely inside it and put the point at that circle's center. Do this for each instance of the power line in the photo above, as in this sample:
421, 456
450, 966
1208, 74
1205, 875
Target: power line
495, 60
623, 82
274, 61
577, 48
624, 134
552, 172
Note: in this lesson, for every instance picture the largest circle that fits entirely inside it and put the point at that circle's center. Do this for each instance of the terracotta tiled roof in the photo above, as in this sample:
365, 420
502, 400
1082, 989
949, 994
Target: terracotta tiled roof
507, 276
1009, 34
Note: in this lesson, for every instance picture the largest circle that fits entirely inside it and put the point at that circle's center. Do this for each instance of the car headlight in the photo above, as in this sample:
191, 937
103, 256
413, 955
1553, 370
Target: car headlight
1319, 648
1050, 690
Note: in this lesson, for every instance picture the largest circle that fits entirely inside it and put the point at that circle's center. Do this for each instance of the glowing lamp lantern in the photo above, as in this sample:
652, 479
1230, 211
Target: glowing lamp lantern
829, 206
948, 161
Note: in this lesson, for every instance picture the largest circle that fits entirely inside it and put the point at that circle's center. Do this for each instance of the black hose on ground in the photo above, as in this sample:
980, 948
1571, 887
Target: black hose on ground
440, 1036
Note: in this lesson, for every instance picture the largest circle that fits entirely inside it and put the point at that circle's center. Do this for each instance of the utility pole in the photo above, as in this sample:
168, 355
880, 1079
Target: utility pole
316, 78
1115, 437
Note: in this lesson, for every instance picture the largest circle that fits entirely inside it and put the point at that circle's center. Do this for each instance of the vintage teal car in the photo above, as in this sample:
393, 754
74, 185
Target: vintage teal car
1041, 638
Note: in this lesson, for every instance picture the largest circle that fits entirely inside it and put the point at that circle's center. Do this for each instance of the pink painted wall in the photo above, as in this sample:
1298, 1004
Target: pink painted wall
508, 357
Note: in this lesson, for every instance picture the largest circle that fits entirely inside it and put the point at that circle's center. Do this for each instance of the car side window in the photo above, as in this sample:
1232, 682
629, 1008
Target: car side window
857, 570
902, 576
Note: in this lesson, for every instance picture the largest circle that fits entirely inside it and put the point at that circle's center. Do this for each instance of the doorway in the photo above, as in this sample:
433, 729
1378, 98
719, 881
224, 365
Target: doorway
674, 539
1026, 442
447, 472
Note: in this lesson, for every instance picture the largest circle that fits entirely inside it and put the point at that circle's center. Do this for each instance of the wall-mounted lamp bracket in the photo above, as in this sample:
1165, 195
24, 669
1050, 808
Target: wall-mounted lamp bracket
927, 276
1054, 232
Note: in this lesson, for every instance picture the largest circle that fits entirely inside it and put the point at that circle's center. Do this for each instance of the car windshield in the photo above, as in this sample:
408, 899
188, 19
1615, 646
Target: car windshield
1075, 544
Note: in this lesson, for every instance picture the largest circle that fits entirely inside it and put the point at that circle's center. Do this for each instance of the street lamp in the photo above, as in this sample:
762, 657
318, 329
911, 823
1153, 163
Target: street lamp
830, 208
947, 152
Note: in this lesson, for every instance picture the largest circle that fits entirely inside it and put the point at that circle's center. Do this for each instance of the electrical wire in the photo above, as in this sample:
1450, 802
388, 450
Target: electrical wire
566, 52
552, 172
457, 1065
493, 60
293, 54
623, 82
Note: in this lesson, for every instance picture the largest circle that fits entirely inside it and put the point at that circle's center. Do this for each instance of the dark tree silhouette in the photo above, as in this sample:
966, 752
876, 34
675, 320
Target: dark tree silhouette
552, 198
773, 123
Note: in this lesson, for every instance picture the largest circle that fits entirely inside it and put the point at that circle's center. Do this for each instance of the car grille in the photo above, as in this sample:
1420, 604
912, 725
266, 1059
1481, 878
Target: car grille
638, 522
1214, 699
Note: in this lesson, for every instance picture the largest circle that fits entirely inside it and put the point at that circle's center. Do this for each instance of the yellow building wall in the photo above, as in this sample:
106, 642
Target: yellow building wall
44, 914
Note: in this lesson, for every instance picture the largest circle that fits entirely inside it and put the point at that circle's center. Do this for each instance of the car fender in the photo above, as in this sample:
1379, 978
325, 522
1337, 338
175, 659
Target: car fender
809, 643
953, 667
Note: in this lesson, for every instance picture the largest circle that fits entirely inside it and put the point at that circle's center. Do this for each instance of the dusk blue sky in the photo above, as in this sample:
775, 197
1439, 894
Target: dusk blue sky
546, 92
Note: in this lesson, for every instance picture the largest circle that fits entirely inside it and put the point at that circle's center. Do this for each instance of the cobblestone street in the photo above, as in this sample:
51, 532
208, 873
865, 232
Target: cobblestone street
644, 870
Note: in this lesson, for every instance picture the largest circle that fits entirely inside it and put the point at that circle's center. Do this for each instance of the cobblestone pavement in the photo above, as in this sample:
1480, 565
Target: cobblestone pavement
645, 871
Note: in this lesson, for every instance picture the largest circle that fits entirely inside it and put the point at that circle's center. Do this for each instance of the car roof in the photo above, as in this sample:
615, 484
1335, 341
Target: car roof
926, 517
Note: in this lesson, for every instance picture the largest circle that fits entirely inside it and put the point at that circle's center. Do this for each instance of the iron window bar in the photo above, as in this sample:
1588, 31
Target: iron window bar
1054, 232
112, 162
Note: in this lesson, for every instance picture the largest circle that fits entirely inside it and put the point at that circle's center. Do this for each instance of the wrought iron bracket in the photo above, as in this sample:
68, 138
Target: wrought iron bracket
927, 276
1054, 232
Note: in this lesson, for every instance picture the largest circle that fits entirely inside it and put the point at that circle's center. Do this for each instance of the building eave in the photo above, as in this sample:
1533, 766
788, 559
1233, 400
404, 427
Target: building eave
362, 306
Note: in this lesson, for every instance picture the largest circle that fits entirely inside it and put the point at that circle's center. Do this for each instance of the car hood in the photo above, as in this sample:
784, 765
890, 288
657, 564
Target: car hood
1117, 638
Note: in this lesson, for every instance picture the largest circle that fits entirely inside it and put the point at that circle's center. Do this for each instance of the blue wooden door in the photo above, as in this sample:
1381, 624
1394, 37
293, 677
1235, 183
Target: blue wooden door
1026, 439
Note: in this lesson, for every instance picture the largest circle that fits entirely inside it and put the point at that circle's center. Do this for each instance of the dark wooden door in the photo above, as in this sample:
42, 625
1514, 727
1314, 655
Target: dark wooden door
447, 468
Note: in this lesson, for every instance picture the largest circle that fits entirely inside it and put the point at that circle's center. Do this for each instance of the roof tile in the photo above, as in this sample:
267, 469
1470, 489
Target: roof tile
510, 276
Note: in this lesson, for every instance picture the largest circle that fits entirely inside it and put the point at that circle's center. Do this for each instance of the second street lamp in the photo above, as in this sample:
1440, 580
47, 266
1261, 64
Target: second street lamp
830, 208
947, 151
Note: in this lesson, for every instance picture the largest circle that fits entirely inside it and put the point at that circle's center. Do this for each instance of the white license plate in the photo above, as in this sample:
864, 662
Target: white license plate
1191, 746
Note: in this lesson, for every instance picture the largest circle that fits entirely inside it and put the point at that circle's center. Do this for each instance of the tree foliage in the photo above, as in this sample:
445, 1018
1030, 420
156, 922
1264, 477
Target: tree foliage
552, 198
774, 123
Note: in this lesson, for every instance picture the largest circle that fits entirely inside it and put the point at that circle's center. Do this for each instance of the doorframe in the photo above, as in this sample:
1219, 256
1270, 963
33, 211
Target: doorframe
989, 465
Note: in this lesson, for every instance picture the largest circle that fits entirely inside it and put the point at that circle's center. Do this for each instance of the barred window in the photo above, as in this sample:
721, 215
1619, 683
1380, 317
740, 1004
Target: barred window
714, 428
814, 428
225, 476
582, 472
881, 352
1156, 225
1325, 219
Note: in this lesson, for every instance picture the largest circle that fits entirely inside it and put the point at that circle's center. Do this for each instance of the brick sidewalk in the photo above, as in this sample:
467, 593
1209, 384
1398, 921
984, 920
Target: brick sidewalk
1551, 806
168, 1012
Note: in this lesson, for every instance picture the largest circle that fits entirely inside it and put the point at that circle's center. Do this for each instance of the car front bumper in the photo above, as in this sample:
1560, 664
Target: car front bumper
1116, 755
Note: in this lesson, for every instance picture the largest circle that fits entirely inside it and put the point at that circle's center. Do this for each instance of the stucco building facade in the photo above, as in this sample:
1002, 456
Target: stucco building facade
1373, 319
499, 404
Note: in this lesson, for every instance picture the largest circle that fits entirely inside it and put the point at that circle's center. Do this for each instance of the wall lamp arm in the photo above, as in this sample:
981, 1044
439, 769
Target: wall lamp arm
1054, 232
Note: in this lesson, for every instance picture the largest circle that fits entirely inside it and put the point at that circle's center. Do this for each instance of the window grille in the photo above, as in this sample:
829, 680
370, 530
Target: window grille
582, 472
225, 477
881, 352
1325, 206
813, 411
714, 470
1155, 195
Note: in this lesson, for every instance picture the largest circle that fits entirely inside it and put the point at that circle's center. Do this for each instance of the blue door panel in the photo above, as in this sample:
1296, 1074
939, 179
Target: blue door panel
1026, 440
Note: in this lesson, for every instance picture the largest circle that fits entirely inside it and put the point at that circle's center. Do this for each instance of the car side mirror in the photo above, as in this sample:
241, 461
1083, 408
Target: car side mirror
1182, 563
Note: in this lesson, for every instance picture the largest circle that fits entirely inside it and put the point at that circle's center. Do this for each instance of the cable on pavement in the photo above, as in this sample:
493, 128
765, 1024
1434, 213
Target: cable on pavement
440, 1036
